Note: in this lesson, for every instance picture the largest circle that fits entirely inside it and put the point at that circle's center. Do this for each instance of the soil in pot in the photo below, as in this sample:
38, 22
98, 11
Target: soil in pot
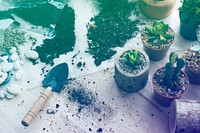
164, 95
192, 68
159, 51
128, 78
156, 9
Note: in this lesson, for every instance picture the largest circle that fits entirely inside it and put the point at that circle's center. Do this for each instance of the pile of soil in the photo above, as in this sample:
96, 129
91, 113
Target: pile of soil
112, 28
64, 39
37, 14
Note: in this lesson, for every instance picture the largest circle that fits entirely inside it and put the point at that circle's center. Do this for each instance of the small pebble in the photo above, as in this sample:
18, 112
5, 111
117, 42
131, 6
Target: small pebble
14, 57
4, 58
16, 65
99, 130
50, 111
31, 54
9, 96
13, 89
6, 67
2, 94
57, 105
12, 50
21, 62
19, 74
3, 76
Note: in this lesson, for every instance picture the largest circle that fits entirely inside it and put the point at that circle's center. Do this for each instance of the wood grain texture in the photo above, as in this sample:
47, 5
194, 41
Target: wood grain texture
130, 112
27, 120
185, 116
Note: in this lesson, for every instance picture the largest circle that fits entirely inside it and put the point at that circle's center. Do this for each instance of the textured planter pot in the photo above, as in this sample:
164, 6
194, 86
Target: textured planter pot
194, 78
188, 31
163, 99
192, 67
157, 9
131, 82
184, 116
158, 53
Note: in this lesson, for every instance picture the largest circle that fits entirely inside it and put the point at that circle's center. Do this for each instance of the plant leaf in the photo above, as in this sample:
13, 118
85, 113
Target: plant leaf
168, 36
152, 38
173, 58
155, 23
149, 30
155, 41
165, 28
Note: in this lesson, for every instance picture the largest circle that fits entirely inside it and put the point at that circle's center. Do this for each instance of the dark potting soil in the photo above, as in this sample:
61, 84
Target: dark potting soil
64, 40
127, 68
193, 60
81, 96
112, 28
38, 14
180, 85
88, 105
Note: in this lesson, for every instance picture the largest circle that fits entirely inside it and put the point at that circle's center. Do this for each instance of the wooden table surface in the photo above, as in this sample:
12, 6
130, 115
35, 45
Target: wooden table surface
112, 110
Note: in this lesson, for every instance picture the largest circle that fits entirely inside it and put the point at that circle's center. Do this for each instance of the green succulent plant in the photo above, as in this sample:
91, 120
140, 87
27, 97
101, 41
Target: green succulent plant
134, 59
158, 33
172, 70
190, 11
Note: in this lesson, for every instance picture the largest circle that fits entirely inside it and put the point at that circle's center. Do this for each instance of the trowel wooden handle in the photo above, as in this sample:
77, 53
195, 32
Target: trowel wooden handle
37, 107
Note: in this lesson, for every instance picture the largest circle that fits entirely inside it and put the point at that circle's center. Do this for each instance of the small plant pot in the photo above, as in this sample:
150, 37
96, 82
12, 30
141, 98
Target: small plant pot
192, 67
128, 80
157, 9
161, 96
194, 77
155, 53
188, 31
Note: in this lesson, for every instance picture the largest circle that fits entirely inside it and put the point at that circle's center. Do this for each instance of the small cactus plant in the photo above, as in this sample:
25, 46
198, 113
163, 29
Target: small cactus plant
134, 59
172, 70
158, 33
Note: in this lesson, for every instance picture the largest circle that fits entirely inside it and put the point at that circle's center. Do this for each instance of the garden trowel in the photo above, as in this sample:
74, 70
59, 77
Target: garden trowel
53, 82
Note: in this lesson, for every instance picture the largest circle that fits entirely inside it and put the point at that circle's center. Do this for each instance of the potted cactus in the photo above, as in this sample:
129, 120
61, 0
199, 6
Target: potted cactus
157, 9
170, 82
192, 67
157, 38
131, 70
189, 14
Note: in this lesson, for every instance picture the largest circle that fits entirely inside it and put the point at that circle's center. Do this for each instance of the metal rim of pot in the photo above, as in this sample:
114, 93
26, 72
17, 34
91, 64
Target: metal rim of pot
116, 61
171, 97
